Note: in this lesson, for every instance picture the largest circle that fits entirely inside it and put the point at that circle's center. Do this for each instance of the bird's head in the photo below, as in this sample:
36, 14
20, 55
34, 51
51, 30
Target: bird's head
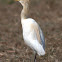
23, 2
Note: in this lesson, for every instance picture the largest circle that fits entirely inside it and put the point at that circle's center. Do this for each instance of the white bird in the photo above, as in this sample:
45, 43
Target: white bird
32, 34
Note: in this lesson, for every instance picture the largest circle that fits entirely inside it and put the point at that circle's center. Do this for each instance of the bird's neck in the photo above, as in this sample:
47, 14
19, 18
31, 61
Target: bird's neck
25, 12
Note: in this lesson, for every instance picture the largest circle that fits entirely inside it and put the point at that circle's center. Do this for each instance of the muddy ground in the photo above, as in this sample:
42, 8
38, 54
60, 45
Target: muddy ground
48, 14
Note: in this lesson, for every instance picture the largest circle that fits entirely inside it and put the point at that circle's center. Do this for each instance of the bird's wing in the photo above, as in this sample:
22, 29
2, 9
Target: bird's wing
38, 33
42, 38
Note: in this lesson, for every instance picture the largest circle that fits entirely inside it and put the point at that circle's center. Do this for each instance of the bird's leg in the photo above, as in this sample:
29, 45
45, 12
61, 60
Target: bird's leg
35, 57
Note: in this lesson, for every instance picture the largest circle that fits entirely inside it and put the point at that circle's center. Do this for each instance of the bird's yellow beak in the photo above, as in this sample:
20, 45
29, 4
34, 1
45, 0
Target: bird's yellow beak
17, 0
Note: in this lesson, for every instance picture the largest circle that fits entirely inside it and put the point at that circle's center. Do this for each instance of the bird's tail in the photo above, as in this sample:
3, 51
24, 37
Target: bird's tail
38, 48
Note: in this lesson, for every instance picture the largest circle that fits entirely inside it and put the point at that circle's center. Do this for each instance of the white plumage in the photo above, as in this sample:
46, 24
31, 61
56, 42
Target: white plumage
30, 35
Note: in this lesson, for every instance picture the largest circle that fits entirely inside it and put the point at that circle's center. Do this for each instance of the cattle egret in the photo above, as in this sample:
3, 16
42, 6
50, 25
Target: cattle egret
32, 34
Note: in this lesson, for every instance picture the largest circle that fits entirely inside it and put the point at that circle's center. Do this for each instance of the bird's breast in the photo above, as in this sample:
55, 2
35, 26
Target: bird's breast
28, 32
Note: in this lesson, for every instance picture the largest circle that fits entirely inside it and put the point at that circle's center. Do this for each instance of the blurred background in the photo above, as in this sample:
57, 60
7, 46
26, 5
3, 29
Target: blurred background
48, 14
